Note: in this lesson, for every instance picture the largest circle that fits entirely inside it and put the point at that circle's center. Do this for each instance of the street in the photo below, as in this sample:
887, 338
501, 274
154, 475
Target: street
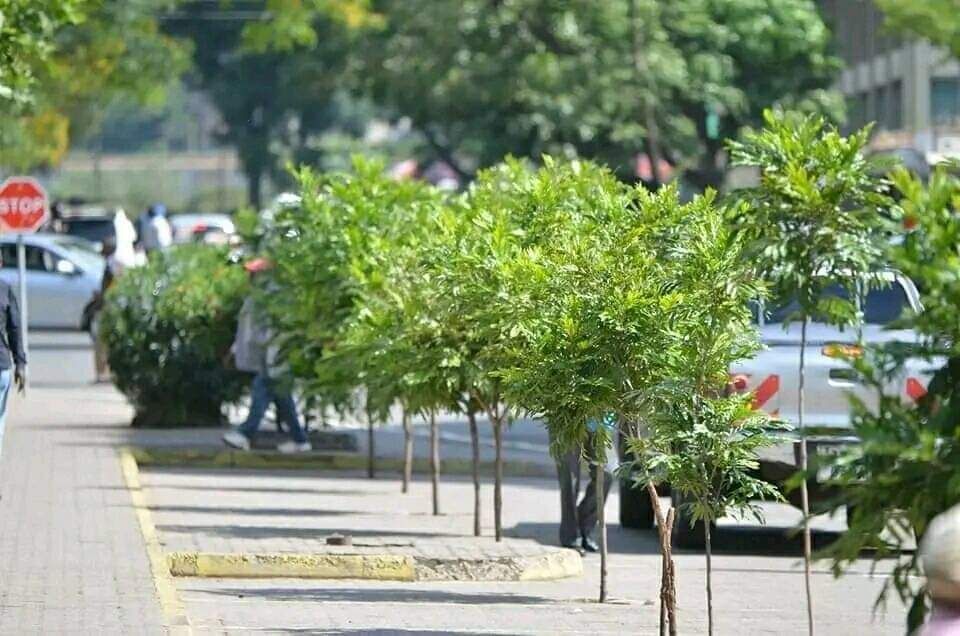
74, 558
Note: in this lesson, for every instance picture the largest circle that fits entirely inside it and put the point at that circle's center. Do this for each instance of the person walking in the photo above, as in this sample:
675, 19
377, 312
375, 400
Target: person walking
155, 231
13, 358
254, 353
578, 521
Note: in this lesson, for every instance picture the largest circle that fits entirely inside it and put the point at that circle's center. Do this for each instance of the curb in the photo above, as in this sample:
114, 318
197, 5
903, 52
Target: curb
555, 564
167, 595
225, 458
302, 566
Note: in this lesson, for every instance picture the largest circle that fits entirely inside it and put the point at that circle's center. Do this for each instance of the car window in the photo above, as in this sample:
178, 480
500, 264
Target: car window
778, 312
885, 305
38, 259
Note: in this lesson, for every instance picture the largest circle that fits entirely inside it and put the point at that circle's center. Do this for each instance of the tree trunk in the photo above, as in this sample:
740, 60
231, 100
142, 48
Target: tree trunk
255, 188
602, 518
641, 74
475, 446
435, 461
498, 478
804, 493
668, 589
709, 553
407, 452
371, 449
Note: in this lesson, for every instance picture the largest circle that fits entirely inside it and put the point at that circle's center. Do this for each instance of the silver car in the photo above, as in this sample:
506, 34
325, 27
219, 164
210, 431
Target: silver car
64, 273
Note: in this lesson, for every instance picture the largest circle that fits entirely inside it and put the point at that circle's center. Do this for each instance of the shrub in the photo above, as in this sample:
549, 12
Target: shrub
166, 327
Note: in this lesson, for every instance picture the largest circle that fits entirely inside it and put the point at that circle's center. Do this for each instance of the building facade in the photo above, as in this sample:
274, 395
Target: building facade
908, 87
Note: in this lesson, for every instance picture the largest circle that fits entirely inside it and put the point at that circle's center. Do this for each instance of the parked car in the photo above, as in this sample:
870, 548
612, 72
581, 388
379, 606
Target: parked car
202, 228
90, 221
773, 378
64, 274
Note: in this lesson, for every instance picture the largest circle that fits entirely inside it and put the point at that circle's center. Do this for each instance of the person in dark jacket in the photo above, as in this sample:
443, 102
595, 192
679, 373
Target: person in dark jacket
13, 359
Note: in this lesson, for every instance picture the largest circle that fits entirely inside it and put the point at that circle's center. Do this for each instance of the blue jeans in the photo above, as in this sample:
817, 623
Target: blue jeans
6, 379
265, 391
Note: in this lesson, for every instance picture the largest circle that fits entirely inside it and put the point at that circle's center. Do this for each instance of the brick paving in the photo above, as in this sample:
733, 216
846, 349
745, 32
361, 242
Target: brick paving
72, 559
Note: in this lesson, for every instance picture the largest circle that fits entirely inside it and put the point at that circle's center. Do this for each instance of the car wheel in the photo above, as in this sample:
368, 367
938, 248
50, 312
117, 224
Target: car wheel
688, 535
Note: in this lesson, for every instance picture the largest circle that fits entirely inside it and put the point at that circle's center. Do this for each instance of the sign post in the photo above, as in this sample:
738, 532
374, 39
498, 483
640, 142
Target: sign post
24, 209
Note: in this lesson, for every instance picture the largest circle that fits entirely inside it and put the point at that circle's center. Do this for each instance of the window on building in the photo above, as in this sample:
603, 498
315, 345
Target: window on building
880, 108
895, 106
857, 108
945, 101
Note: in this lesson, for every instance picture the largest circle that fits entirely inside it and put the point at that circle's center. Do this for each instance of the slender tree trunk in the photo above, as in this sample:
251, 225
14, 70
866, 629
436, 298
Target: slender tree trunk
804, 493
498, 478
641, 73
435, 461
407, 452
709, 554
475, 446
668, 590
371, 449
602, 518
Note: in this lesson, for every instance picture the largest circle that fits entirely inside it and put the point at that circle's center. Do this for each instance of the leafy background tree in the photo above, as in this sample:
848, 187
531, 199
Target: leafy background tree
935, 20
599, 80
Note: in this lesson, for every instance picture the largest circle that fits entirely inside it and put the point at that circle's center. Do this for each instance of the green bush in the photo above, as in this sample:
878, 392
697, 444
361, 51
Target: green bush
167, 326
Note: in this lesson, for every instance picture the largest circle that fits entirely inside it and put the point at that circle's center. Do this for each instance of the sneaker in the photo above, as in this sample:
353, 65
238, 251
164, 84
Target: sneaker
589, 544
289, 447
236, 439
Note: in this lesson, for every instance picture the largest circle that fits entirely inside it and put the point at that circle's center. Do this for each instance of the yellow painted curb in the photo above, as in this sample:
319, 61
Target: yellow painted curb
306, 566
212, 458
166, 589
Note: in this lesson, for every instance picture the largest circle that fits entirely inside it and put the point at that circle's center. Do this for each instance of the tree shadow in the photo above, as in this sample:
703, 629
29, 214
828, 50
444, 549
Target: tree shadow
257, 512
381, 595
274, 532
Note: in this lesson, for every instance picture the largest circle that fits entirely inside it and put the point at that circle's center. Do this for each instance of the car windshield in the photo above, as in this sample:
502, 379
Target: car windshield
882, 305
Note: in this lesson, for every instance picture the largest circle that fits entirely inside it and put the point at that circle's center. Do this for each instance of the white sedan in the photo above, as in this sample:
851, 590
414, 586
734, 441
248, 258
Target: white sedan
64, 274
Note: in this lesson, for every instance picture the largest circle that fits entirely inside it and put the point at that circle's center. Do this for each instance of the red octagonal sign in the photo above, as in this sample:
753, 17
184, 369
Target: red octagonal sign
23, 205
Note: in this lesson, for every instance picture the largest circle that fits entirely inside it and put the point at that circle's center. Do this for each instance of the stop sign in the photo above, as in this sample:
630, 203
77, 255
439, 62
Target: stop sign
23, 205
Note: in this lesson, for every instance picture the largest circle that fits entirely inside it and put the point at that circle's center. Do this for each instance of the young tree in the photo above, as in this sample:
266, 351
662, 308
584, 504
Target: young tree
331, 255
700, 440
902, 474
816, 221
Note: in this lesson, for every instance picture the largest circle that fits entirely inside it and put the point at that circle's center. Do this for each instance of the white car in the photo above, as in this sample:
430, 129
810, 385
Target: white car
64, 273
202, 228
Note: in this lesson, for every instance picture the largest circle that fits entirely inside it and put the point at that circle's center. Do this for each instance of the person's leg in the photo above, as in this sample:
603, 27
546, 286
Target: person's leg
287, 412
587, 510
6, 379
568, 472
259, 401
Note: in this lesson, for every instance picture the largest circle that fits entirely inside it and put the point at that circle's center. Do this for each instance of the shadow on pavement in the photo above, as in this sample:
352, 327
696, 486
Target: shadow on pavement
619, 540
272, 532
379, 595
258, 512
730, 540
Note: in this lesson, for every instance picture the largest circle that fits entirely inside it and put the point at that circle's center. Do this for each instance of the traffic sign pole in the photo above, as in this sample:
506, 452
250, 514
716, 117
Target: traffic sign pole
24, 208
24, 329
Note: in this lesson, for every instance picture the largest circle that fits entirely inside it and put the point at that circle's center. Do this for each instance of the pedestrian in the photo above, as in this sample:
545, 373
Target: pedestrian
155, 231
254, 352
940, 557
113, 267
12, 354
578, 521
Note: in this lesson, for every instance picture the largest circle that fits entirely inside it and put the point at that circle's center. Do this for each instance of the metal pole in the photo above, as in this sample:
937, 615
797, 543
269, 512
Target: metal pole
22, 270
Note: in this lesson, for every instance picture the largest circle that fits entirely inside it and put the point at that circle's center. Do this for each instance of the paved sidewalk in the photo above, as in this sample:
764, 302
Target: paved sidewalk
757, 589
72, 559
